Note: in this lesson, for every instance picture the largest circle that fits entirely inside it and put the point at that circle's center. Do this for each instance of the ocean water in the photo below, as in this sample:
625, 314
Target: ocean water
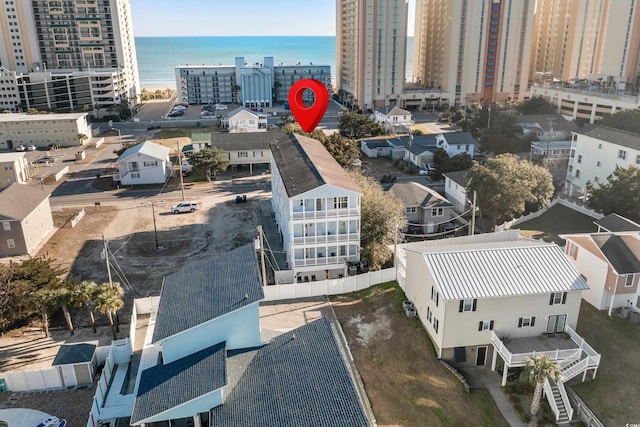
158, 56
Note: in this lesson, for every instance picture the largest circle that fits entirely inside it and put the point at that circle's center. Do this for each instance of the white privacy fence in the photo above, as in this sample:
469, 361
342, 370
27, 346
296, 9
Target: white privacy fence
43, 379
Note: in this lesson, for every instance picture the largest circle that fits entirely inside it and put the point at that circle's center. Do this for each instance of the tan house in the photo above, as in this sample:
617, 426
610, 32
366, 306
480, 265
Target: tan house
25, 217
610, 264
14, 167
42, 130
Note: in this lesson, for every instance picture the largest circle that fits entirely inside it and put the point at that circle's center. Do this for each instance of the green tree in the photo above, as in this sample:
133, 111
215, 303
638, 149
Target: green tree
540, 368
86, 293
507, 186
381, 215
344, 150
355, 126
14, 297
620, 194
123, 110
443, 163
624, 120
44, 300
109, 301
209, 159
536, 105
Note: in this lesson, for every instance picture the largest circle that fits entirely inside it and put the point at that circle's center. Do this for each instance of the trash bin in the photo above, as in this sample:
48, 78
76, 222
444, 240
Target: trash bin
80, 155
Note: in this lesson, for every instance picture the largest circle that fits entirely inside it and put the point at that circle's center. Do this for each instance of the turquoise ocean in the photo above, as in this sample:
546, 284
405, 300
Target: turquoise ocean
158, 56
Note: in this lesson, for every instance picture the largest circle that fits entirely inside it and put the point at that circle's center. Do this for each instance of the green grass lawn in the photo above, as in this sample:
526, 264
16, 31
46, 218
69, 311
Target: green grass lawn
557, 220
613, 395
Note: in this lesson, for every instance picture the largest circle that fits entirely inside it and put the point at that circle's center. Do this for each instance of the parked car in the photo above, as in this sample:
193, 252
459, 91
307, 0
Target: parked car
178, 113
185, 207
45, 159
31, 147
21, 148
221, 107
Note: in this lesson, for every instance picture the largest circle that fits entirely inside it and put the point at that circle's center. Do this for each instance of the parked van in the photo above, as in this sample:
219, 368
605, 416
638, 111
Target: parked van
185, 207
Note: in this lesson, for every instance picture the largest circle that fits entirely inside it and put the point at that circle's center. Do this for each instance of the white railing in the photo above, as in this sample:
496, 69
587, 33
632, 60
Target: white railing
329, 238
569, 360
519, 359
565, 400
576, 369
332, 213
582, 410
552, 402
321, 261
592, 356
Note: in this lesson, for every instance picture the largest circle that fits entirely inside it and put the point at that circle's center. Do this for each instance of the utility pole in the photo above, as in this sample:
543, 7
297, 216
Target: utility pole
395, 248
155, 228
180, 170
106, 257
551, 120
264, 270
472, 225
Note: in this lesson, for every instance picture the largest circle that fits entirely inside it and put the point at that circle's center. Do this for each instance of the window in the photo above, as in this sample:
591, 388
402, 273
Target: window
150, 164
577, 173
429, 314
579, 158
628, 281
135, 175
467, 305
622, 154
242, 154
435, 324
339, 203
435, 296
598, 163
573, 251
6, 226
558, 298
485, 325
410, 210
526, 321
600, 146
637, 159
11, 243
437, 211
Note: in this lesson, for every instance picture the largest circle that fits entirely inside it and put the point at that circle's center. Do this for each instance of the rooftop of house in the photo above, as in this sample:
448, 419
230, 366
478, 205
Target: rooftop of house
69, 354
614, 222
217, 286
163, 387
25, 117
415, 194
11, 157
244, 110
245, 141
618, 251
201, 137
298, 379
461, 178
614, 136
487, 270
304, 164
545, 122
416, 144
17, 201
376, 143
395, 111
458, 138
148, 148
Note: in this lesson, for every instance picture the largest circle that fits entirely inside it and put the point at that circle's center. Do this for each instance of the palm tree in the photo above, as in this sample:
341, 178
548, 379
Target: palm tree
540, 368
86, 292
43, 300
109, 301
63, 297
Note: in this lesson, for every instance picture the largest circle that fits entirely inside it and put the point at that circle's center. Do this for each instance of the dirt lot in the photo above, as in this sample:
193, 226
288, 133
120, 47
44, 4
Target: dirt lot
72, 405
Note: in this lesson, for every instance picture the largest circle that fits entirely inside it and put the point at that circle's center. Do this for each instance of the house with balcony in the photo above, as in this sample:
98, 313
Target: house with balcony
144, 163
425, 210
595, 153
243, 120
317, 209
14, 167
495, 299
546, 127
610, 263
455, 189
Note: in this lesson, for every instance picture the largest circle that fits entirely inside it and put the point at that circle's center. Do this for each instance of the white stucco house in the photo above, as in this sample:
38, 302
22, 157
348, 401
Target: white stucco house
317, 209
496, 299
243, 120
455, 189
145, 163
610, 263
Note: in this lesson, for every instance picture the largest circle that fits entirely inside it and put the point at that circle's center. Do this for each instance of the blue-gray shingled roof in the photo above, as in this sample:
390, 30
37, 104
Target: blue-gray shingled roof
208, 289
376, 143
299, 379
69, 354
163, 387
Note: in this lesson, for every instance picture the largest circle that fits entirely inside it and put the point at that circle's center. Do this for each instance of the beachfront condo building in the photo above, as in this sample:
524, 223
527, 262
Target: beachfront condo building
474, 50
63, 56
575, 39
256, 85
371, 46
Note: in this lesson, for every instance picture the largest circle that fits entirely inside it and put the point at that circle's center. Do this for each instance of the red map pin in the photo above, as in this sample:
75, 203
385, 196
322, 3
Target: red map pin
308, 117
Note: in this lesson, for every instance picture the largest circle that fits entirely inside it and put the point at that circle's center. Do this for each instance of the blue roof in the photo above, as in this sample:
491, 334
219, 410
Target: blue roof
419, 144
376, 143
299, 379
163, 387
461, 138
206, 290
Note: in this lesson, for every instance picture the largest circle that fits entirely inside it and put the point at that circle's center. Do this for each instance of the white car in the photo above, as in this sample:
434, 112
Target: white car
31, 147
221, 107
423, 172
21, 148
185, 207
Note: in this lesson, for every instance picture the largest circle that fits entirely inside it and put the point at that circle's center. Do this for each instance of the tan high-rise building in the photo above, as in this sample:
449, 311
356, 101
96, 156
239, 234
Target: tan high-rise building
371, 45
598, 39
474, 50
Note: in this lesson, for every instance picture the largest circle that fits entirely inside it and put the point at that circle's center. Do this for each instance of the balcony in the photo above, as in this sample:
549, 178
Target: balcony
333, 213
310, 262
330, 238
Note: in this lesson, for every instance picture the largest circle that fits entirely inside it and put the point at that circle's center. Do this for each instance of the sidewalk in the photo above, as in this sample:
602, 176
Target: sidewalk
491, 381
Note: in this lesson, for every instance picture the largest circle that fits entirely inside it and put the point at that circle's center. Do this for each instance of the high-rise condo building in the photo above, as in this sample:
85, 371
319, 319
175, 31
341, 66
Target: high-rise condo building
371, 45
473, 50
588, 39
63, 55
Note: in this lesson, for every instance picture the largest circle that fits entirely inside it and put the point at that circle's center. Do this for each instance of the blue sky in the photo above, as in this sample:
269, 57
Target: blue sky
238, 18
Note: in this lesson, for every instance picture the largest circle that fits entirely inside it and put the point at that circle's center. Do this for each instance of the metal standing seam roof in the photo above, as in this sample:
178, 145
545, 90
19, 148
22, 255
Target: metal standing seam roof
304, 164
501, 272
163, 387
299, 379
147, 148
208, 289
17, 201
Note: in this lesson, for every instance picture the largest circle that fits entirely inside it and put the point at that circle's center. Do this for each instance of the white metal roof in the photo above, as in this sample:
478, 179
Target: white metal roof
24, 117
147, 148
507, 271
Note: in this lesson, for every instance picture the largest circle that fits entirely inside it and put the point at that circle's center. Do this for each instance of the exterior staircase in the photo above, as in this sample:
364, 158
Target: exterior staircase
559, 401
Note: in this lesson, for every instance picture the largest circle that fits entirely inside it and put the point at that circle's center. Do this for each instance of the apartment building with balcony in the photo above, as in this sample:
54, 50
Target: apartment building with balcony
595, 153
317, 209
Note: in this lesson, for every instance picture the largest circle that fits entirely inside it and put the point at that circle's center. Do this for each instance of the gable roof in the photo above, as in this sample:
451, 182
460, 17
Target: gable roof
216, 286
517, 268
299, 379
163, 387
17, 201
614, 222
395, 111
542, 121
415, 194
614, 136
245, 141
245, 111
416, 144
461, 138
148, 148
376, 143
69, 354
459, 177
619, 255
304, 164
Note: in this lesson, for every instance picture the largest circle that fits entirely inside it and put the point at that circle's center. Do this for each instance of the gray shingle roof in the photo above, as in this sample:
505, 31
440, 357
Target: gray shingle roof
414, 194
462, 138
620, 256
74, 353
459, 177
208, 289
163, 387
542, 120
245, 141
614, 222
376, 143
17, 201
304, 164
509, 271
614, 136
299, 379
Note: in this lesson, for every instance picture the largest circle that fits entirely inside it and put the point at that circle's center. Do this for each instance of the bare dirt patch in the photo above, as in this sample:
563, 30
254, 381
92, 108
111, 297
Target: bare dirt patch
72, 405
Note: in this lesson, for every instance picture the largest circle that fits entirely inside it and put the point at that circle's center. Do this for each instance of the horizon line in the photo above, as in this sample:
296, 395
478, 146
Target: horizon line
245, 35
